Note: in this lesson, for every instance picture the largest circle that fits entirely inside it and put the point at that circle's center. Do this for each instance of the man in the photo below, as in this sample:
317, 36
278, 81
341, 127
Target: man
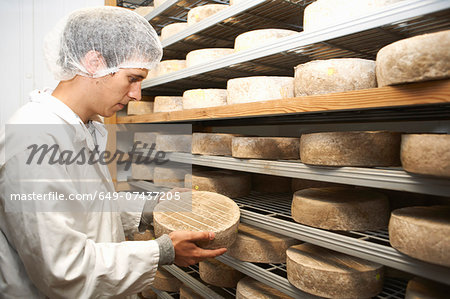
76, 248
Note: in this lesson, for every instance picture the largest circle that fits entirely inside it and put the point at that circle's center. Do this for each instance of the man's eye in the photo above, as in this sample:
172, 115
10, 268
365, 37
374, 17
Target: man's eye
133, 79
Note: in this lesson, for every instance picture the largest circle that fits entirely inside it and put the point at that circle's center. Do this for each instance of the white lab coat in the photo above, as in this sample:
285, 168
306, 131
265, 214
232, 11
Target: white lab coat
79, 252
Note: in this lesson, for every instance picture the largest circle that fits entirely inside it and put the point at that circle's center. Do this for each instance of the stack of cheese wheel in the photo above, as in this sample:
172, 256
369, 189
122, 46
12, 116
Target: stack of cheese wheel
172, 29
270, 183
334, 75
199, 211
324, 13
170, 66
171, 174
257, 38
364, 149
249, 288
204, 98
338, 208
174, 143
202, 56
200, 13
229, 183
188, 293
139, 107
299, 184
144, 10
426, 154
214, 144
326, 273
260, 246
260, 88
218, 274
422, 232
168, 104
422, 288
265, 147
419, 58
165, 281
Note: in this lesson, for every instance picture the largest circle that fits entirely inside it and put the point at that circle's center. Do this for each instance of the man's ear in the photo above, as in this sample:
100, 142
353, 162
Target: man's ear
93, 61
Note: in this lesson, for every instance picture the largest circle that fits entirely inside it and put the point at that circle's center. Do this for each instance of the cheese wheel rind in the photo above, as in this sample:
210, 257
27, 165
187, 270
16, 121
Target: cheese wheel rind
204, 98
426, 154
172, 29
219, 274
170, 175
249, 288
265, 147
174, 143
259, 88
170, 66
420, 58
214, 144
420, 288
364, 149
188, 293
168, 104
339, 208
326, 273
138, 108
260, 246
200, 13
232, 184
422, 232
202, 56
257, 38
334, 75
165, 281
199, 211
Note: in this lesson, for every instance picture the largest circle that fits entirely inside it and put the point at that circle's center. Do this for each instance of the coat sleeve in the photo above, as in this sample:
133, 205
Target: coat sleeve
53, 242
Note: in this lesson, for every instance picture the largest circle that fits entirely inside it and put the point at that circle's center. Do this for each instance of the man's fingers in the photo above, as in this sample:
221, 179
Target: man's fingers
202, 236
211, 253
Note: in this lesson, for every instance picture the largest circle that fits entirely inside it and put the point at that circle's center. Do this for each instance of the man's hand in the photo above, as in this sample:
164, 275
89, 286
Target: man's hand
187, 252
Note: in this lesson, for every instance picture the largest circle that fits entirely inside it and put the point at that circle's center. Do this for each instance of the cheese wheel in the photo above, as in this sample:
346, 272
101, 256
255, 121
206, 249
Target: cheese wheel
257, 38
422, 232
229, 183
202, 56
420, 58
143, 10
199, 211
334, 75
257, 89
170, 175
299, 184
157, 3
363, 149
325, 13
233, 2
188, 293
170, 66
265, 147
149, 294
249, 288
214, 144
426, 154
338, 208
270, 183
420, 288
145, 236
139, 107
174, 143
204, 98
168, 104
260, 246
145, 137
142, 171
165, 281
200, 13
172, 29
219, 274
326, 273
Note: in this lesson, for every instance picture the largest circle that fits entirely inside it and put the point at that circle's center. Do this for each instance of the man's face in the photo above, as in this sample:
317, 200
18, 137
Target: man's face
116, 90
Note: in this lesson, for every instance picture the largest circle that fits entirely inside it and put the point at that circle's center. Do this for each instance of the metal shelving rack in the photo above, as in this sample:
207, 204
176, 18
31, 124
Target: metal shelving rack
361, 37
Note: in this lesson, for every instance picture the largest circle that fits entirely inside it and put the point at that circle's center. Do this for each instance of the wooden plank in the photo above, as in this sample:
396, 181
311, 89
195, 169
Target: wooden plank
431, 92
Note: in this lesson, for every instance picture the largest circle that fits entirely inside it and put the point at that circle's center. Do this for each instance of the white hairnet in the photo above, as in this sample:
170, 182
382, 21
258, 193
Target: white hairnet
122, 38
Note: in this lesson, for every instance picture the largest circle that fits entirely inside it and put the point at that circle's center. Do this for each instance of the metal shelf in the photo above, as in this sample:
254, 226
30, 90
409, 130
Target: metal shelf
385, 178
361, 37
162, 294
272, 212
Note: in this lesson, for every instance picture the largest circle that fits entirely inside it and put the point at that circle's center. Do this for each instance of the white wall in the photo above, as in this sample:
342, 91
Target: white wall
23, 25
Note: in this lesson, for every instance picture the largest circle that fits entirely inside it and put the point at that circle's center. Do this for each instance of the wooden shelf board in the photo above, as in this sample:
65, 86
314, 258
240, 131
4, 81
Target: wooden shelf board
431, 92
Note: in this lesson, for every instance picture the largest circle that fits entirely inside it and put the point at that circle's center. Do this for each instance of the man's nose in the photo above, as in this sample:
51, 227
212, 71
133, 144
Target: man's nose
135, 91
